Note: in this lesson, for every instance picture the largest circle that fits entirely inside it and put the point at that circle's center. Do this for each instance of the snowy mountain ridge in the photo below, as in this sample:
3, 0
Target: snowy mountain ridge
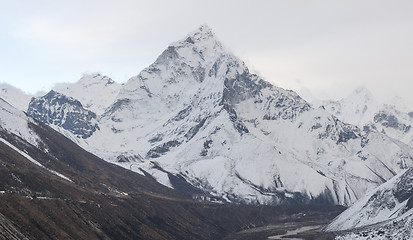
399, 228
358, 108
94, 91
17, 122
197, 116
14, 96
379, 205
361, 109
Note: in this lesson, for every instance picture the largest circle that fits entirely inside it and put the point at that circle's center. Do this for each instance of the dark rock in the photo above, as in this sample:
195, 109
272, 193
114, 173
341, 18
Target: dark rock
238, 124
119, 104
316, 126
194, 130
390, 121
155, 139
179, 183
199, 73
404, 188
189, 40
239, 88
162, 149
182, 114
207, 144
128, 158
66, 112
346, 135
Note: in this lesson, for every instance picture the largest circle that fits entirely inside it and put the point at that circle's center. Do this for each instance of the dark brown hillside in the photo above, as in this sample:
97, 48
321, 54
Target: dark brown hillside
108, 202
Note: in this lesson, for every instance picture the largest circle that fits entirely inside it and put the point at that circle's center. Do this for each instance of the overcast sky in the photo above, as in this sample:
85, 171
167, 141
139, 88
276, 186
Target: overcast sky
328, 47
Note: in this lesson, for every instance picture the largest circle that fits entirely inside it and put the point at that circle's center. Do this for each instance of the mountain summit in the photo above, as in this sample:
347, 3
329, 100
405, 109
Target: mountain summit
198, 121
361, 109
95, 91
181, 65
358, 108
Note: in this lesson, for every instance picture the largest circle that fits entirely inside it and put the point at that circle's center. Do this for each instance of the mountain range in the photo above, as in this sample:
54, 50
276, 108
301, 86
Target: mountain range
200, 123
384, 212
197, 114
361, 109
50, 188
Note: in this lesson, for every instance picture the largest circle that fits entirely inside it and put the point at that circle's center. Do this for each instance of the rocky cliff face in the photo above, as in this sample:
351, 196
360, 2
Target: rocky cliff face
62, 111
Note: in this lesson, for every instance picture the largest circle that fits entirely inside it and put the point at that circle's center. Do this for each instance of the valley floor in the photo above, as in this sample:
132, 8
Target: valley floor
295, 227
42, 217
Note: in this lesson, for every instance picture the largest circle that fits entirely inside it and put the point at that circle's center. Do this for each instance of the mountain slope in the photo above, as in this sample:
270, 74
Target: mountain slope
92, 199
385, 212
389, 201
394, 123
399, 228
16, 121
14, 96
198, 115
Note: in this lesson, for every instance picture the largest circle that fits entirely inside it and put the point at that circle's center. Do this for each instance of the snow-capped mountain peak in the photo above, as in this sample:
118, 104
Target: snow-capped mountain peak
202, 35
95, 79
181, 70
362, 95
363, 90
358, 108
202, 41
401, 104
95, 91
182, 64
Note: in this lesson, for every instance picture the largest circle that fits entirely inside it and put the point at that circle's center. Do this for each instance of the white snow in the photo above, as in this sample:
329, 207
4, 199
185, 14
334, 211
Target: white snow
400, 228
16, 122
358, 108
14, 96
370, 209
94, 91
361, 109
